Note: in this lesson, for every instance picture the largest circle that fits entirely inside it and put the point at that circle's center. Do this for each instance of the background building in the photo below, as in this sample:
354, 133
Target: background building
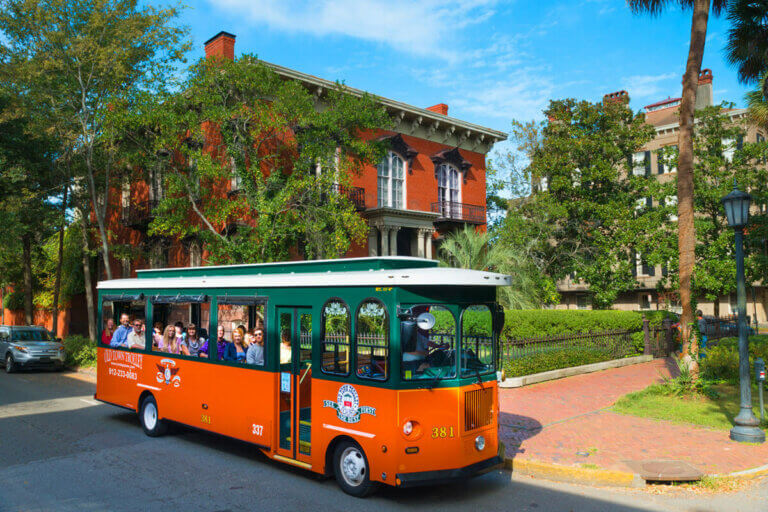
663, 115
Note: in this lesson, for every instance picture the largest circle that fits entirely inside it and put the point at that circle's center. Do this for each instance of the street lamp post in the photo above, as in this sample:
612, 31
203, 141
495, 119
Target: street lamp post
746, 428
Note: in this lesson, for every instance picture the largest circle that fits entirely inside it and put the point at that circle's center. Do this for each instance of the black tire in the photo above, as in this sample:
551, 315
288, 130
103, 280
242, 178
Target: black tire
149, 417
10, 366
350, 466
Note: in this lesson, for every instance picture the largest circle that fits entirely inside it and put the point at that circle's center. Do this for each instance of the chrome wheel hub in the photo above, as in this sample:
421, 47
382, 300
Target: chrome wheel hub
353, 466
150, 416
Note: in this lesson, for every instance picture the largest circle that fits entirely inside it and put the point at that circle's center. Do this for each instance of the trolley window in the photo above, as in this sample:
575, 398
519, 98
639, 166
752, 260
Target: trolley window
335, 338
476, 340
428, 341
180, 325
240, 337
372, 340
124, 321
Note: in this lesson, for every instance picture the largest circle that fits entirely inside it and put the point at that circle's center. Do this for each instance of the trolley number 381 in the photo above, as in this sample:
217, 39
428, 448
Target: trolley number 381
442, 432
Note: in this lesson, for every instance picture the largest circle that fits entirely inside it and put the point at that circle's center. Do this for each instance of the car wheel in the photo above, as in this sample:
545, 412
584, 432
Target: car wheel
10, 366
149, 418
351, 470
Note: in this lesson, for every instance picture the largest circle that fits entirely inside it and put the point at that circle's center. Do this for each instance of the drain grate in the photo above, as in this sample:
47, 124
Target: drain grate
665, 470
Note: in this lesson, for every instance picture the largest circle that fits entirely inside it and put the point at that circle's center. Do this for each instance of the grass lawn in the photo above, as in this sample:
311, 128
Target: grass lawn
655, 402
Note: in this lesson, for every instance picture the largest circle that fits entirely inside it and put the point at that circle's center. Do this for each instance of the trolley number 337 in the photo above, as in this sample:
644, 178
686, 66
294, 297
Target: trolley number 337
442, 432
257, 430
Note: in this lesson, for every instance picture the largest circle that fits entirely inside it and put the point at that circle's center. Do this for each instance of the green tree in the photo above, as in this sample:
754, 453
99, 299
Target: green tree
747, 46
685, 183
583, 215
287, 155
26, 212
73, 60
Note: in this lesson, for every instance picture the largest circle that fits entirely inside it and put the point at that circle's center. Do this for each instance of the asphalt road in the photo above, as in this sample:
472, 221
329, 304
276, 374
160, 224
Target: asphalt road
61, 450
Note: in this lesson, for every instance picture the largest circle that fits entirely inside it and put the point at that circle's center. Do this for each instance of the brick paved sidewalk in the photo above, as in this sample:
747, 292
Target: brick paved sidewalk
566, 422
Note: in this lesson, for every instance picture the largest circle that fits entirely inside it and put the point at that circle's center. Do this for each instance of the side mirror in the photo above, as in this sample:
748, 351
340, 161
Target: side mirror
404, 314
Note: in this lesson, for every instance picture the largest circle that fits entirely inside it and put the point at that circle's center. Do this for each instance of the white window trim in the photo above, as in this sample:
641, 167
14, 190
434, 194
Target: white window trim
390, 199
448, 178
638, 163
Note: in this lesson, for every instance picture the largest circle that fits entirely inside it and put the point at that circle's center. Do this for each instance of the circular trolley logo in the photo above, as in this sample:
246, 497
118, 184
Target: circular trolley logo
347, 405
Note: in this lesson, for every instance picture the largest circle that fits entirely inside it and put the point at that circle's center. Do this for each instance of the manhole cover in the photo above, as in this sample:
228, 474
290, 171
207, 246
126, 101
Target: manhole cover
665, 470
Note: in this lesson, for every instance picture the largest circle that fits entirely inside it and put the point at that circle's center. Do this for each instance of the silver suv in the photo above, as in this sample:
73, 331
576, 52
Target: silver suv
30, 347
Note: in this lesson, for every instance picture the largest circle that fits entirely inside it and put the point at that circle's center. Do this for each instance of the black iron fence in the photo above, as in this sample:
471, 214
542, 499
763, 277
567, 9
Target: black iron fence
610, 344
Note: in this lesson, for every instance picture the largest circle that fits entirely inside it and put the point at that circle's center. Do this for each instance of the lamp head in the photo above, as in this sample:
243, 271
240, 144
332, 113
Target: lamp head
736, 206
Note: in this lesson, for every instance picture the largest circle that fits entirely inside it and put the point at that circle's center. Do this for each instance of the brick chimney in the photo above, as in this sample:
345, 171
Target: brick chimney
616, 97
221, 45
704, 90
440, 108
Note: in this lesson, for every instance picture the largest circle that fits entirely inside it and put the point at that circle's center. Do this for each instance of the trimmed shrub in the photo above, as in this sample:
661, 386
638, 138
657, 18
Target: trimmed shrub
81, 351
555, 359
14, 301
552, 322
722, 360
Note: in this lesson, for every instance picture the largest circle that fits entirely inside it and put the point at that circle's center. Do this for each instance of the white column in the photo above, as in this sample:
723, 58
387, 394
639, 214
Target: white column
420, 246
384, 230
429, 244
373, 242
393, 241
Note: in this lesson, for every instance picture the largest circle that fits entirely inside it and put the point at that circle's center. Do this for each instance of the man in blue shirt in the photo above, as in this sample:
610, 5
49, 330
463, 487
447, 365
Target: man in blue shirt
120, 338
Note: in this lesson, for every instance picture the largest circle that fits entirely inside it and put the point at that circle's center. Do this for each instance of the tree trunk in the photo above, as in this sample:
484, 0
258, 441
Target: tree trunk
92, 332
717, 307
26, 242
686, 233
57, 282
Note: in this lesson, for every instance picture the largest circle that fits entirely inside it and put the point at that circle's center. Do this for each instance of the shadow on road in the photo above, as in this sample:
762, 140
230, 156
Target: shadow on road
514, 429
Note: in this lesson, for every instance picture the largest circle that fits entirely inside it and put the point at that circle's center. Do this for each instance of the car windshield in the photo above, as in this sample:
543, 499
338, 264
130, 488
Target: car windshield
31, 335
476, 340
428, 341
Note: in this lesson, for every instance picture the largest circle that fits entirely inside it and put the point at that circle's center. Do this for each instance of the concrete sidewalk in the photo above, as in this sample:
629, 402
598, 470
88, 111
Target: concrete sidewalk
566, 422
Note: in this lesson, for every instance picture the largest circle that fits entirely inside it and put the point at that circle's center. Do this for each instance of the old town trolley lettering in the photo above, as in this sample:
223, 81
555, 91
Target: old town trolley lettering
361, 367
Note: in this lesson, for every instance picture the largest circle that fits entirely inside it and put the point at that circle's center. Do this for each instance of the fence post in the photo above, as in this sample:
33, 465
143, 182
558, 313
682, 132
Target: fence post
668, 337
646, 336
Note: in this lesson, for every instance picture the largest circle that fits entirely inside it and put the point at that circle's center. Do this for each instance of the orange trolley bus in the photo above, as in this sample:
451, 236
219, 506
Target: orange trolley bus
372, 370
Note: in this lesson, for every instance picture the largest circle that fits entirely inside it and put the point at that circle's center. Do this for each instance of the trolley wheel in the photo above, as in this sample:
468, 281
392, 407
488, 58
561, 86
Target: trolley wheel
149, 418
10, 366
351, 469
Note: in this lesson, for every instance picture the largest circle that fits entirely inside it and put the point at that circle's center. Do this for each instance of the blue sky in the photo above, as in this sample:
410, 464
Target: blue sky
490, 61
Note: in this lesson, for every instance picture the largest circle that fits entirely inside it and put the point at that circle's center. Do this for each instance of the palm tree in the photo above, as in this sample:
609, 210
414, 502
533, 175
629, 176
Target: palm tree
748, 40
467, 248
686, 233
757, 101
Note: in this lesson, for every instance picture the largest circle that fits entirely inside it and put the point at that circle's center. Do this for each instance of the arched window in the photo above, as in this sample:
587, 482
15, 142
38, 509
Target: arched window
335, 338
372, 340
391, 184
448, 189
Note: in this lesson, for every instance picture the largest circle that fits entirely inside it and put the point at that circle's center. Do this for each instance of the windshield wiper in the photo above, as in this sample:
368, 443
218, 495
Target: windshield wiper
479, 380
437, 378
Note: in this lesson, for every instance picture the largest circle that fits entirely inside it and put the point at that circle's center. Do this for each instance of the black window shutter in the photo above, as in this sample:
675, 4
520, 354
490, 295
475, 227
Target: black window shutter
633, 255
740, 142
665, 270
647, 163
660, 162
649, 202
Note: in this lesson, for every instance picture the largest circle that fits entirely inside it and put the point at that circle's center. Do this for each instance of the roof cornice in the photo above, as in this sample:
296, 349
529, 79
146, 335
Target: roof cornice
410, 120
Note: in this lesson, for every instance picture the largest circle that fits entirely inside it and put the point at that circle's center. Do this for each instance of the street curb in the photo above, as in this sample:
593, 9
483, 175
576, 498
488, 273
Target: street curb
573, 475
87, 374
747, 474
535, 378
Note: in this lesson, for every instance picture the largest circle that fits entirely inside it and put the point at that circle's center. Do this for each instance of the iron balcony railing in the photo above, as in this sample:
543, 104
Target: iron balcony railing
138, 215
354, 194
459, 212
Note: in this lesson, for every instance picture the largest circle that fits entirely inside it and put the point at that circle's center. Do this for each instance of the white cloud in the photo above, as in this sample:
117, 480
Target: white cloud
427, 27
642, 86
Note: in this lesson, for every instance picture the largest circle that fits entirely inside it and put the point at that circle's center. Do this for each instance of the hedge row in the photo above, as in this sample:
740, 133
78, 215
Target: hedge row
552, 322
555, 360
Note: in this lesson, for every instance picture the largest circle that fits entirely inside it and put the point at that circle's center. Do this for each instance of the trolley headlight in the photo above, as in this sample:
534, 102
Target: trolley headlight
480, 443
407, 428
